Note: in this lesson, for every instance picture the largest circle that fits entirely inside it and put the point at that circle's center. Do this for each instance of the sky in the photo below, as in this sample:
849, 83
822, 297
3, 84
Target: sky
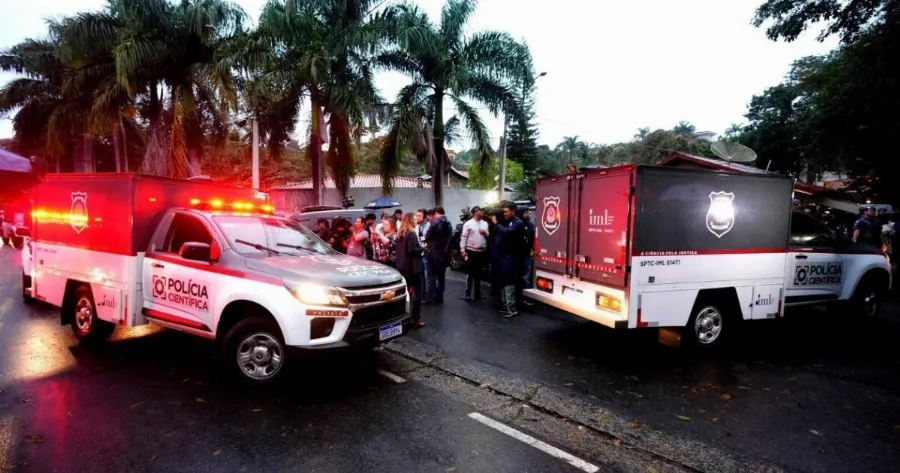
611, 66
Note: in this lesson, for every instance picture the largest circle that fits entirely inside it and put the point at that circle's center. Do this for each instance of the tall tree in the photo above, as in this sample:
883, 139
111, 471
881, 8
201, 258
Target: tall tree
322, 49
445, 65
51, 116
521, 145
788, 18
166, 57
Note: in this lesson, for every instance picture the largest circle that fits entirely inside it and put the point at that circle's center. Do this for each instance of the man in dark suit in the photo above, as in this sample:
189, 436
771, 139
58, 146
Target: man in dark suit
437, 241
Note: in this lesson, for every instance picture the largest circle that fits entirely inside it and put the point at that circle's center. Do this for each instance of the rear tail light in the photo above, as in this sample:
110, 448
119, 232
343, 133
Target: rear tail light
544, 284
610, 303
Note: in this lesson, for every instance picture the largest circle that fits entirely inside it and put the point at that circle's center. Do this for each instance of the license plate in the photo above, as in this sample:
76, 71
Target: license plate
390, 331
567, 290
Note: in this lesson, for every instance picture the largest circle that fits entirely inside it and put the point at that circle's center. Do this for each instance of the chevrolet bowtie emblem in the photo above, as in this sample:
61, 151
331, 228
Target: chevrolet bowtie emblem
387, 296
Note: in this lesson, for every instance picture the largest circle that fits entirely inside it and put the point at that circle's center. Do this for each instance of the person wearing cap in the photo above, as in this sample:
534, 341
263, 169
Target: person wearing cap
867, 229
473, 248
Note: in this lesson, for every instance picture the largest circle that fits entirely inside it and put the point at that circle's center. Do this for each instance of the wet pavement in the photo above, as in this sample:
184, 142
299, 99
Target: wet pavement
810, 393
814, 392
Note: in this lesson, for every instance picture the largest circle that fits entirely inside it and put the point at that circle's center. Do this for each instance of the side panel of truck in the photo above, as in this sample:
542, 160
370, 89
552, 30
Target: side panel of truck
700, 231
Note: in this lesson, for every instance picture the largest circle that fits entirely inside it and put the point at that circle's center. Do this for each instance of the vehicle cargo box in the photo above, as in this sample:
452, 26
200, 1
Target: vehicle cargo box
684, 211
115, 213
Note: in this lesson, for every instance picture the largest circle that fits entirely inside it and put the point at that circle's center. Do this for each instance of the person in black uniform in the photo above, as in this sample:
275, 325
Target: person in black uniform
867, 229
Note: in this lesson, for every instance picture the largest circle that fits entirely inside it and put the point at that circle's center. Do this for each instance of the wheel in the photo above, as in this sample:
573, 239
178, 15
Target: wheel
711, 324
253, 351
26, 281
85, 324
869, 294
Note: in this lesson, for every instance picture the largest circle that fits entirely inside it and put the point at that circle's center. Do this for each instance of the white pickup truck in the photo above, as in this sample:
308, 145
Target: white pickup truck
125, 249
691, 252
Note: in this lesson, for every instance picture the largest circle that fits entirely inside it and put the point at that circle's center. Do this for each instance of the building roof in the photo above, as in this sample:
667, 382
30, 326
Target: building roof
459, 173
360, 181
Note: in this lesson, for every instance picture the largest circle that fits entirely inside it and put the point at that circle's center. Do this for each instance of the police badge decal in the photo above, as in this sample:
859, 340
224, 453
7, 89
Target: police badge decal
550, 217
720, 216
78, 215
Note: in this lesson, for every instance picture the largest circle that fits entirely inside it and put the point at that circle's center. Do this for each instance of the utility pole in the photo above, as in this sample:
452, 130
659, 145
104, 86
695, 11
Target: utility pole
503, 141
255, 163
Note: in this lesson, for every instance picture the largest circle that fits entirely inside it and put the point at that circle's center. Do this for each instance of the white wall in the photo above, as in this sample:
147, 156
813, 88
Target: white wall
411, 198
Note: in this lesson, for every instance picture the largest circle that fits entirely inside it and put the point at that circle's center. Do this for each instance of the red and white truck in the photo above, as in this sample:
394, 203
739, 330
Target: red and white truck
691, 250
209, 260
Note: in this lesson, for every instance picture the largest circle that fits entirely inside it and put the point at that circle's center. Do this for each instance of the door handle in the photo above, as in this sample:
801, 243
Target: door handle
801, 256
156, 265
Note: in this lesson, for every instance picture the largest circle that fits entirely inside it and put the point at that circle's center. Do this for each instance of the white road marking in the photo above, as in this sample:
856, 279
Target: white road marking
548, 449
391, 376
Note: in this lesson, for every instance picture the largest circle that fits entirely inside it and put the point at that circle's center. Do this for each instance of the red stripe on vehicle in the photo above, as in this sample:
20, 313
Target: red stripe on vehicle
155, 314
212, 268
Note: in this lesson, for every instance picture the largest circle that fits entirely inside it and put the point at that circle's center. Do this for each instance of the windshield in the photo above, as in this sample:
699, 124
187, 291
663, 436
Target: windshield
280, 235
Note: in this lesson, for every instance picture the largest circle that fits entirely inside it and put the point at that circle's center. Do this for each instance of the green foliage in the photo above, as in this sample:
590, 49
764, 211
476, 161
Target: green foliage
487, 179
446, 67
788, 18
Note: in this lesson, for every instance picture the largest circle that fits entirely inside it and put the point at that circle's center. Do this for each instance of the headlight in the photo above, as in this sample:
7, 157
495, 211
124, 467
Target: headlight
314, 294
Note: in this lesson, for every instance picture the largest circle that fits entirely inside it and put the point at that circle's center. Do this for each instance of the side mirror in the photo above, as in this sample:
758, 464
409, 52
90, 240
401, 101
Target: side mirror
195, 251
23, 232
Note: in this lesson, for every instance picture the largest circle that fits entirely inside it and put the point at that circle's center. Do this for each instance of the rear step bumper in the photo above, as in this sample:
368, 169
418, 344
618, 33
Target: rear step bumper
599, 317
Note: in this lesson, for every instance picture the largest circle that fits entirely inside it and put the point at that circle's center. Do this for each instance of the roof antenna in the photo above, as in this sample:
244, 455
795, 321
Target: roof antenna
733, 152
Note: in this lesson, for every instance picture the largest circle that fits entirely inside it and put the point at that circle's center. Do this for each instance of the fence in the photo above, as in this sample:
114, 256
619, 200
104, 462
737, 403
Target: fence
290, 200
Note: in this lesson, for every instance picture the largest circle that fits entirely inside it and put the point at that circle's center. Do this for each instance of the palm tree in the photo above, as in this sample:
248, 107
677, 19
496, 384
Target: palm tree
320, 49
166, 60
445, 65
51, 115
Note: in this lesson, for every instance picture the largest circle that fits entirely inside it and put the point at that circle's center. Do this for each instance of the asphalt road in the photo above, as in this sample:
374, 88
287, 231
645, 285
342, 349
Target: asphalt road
813, 392
806, 394
153, 400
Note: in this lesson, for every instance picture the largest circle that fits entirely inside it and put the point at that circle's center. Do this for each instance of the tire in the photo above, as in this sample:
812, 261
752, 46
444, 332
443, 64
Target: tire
456, 262
25, 283
868, 298
712, 324
85, 324
253, 351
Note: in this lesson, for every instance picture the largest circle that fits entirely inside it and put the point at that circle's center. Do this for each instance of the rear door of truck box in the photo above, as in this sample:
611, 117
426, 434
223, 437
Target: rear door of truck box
601, 228
554, 220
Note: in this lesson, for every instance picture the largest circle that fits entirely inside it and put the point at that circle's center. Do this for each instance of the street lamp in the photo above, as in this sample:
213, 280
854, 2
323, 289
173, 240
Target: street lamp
503, 140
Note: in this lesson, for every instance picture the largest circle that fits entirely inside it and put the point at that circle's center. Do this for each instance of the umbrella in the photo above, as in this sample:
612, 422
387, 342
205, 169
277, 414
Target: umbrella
382, 203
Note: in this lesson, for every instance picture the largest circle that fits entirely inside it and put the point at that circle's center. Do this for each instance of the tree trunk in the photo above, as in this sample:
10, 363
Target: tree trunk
124, 145
87, 153
315, 151
437, 174
117, 148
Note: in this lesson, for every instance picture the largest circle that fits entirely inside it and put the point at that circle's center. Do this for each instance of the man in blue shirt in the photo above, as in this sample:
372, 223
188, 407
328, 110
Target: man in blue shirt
867, 229
508, 254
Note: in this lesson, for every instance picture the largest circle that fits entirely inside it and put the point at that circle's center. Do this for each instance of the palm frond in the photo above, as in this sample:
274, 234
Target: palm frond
451, 131
493, 53
454, 16
477, 131
19, 92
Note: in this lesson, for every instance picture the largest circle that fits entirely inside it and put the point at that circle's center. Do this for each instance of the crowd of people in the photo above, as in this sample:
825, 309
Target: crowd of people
419, 245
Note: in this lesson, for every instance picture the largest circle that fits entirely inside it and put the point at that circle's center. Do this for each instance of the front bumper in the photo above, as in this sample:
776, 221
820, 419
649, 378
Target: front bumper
363, 336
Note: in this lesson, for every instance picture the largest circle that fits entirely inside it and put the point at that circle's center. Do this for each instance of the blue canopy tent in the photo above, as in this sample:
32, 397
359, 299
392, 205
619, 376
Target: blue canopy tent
16, 174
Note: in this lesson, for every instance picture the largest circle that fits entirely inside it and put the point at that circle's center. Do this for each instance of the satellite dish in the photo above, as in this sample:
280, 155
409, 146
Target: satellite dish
733, 152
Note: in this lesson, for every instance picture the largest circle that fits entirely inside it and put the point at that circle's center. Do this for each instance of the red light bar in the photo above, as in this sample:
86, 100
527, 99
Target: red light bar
238, 207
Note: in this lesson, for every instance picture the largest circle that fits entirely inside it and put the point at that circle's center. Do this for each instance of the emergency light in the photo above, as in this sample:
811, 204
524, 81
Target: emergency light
241, 207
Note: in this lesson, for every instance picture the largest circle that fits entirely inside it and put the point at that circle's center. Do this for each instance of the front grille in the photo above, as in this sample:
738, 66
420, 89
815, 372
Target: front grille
378, 314
370, 298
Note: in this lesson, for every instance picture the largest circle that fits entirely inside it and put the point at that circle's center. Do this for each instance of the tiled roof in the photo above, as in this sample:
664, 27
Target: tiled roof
360, 181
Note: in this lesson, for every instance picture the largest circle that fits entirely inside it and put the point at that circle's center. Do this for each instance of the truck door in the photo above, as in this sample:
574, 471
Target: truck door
554, 224
599, 246
815, 266
177, 290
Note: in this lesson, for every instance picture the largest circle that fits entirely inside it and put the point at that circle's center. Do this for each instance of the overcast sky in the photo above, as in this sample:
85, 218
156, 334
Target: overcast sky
612, 66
